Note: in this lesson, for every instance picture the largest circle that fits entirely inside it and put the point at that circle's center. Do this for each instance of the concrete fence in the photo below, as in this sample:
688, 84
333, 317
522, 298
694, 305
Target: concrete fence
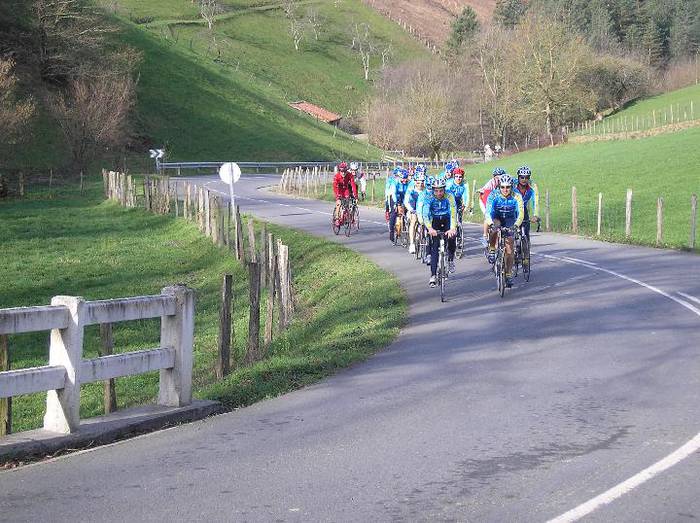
66, 318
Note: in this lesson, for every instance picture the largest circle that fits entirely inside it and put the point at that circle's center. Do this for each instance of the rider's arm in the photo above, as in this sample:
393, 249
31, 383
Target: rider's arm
488, 214
453, 212
520, 210
407, 202
427, 212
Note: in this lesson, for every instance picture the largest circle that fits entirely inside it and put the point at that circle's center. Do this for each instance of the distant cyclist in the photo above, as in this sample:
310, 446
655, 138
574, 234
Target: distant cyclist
484, 193
394, 198
343, 188
440, 215
530, 198
505, 209
459, 189
413, 193
360, 178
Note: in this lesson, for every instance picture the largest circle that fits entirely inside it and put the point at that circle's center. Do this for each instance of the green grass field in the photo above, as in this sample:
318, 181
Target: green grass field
85, 246
202, 105
666, 166
656, 111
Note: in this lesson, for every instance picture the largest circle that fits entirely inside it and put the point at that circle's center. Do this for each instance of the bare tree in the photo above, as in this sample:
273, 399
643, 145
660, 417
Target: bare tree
315, 21
93, 114
14, 113
363, 44
208, 9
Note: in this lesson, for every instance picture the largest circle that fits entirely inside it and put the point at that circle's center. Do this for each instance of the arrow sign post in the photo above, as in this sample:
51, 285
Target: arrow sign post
157, 154
230, 173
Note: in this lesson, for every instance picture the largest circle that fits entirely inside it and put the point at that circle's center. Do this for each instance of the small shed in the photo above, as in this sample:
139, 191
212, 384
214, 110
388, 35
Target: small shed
317, 112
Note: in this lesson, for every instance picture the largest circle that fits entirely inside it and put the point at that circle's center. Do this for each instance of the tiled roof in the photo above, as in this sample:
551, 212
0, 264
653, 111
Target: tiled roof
316, 111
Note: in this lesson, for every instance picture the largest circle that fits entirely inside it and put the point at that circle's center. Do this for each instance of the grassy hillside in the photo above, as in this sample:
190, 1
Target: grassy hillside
655, 111
665, 165
205, 106
84, 246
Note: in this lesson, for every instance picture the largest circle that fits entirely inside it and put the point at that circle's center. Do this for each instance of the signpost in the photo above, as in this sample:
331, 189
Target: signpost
157, 154
230, 173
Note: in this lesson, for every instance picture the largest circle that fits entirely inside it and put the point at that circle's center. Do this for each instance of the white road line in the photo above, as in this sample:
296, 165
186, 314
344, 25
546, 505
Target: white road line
691, 298
626, 486
672, 459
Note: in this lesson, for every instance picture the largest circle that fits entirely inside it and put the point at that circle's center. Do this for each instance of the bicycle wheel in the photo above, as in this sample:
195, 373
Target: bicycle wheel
334, 225
442, 273
460, 242
527, 261
356, 218
404, 234
348, 223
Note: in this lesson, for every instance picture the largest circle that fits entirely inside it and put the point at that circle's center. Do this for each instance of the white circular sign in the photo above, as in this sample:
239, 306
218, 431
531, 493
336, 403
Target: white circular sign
229, 173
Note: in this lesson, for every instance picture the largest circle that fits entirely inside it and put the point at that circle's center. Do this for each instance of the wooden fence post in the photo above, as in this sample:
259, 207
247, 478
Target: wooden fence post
223, 363
263, 256
207, 213
271, 294
546, 211
659, 220
5, 403
600, 213
628, 214
282, 290
240, 247
177, 202
693, 220
21, 183
107, 344
253, 348
251, 241
574, 211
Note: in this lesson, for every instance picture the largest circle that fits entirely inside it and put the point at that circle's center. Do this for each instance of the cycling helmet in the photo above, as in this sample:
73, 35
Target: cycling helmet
458, 172
506, 180
439, 183
420, 169
354, 166
343, 166
397, 171
524, 171
420, 178
449, 167
429, 181
404, 174
498, 171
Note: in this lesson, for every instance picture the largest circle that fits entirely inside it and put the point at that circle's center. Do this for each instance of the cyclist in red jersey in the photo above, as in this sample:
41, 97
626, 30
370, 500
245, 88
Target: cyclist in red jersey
343, 187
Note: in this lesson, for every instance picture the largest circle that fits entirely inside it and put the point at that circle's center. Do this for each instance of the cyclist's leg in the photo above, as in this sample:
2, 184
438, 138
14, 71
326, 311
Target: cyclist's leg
435, 247
412, 228
493, 236
393, 213
509, 255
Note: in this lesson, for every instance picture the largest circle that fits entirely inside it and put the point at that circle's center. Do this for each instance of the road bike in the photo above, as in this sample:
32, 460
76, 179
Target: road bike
349, 217
442, 264
424, 242
400, 227
499, 266
459, 238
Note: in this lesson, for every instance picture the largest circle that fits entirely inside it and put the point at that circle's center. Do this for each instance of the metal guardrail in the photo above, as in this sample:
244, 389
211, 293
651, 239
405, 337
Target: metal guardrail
367, 166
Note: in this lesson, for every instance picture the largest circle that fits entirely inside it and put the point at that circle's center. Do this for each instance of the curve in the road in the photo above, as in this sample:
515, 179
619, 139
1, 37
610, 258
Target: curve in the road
483, 409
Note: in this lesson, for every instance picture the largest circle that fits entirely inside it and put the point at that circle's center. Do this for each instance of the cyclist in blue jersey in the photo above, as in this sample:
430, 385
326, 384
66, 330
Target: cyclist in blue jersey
459, 189
504, 209
391, 180
395, 197
440, 215
410, 203
530, 198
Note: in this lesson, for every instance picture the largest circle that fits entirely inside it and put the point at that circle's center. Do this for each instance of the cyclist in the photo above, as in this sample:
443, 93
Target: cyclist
410, 202
484, 193
440, 215
505, 208
359, 177
394, 198
343, 188
530, 198
459, 189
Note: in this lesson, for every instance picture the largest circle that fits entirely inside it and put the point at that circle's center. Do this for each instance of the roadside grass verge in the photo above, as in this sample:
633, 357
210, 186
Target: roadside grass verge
85, 246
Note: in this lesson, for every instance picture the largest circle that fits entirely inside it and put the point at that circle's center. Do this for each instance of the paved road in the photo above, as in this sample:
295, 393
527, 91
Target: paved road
484, 409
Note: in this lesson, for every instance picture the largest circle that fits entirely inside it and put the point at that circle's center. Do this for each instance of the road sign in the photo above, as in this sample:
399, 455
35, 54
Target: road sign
157, 153
229, 173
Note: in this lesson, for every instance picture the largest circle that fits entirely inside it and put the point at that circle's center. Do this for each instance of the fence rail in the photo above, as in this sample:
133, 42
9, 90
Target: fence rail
67, 317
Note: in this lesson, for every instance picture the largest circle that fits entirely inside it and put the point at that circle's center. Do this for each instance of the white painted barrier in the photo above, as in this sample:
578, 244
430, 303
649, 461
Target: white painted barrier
67, 317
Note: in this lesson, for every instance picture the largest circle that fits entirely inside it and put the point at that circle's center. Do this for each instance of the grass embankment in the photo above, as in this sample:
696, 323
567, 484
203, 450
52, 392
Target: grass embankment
85, 246
202, 105
648, 113
664, 166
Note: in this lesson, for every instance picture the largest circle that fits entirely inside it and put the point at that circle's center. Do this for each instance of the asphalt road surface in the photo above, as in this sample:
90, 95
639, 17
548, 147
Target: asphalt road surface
484, 409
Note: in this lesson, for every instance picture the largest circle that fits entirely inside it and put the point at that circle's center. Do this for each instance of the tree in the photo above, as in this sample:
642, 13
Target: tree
208, 9
15, 114
296, 25
363, 44
93, 114
509, 12
464, 28
315, 21
549, 63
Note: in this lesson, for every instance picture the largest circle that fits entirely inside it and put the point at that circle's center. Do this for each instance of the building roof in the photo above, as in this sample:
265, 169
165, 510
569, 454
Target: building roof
316, 111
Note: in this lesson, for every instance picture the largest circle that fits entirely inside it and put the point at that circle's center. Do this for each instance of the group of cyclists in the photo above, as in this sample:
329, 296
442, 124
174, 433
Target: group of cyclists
434, 206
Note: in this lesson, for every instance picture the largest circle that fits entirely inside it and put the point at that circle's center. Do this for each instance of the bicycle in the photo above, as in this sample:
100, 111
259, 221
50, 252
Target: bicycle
353, 218
499, 266
400, 228
459, 238
345, 217
522, 252
442, 264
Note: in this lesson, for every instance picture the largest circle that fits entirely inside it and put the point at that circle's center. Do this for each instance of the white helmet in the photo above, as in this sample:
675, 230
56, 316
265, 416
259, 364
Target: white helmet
354, 166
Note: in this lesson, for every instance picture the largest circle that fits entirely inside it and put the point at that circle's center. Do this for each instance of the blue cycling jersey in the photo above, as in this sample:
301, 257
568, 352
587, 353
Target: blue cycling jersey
411, 198
459, 191
530, 200
509, 209
438, 207
396, 192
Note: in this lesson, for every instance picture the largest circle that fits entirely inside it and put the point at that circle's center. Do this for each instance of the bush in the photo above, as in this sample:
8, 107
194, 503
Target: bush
616, 80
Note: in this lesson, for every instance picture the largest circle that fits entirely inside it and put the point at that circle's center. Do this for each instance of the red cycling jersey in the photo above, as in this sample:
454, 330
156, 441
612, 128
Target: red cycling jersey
344, 185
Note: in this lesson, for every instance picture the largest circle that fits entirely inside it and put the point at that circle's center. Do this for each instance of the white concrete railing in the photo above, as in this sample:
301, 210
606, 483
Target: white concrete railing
66, 318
